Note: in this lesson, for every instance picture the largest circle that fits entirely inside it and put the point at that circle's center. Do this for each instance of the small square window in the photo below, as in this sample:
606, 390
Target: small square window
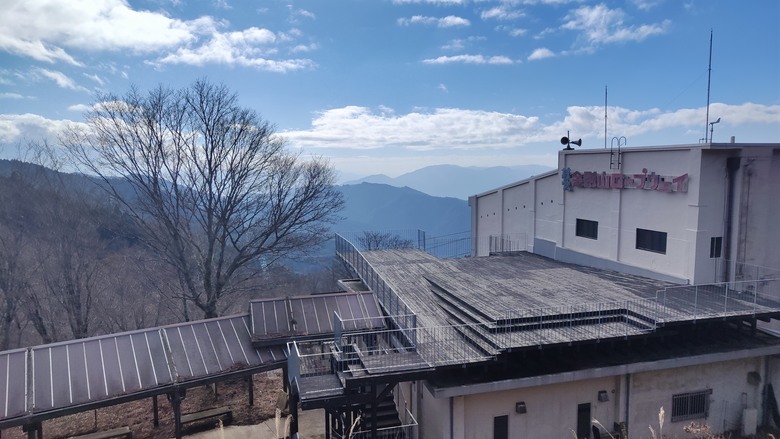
587, 228
693, 405
651, 240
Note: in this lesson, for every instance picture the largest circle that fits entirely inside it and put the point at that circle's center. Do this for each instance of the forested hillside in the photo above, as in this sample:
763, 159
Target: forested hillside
72, 266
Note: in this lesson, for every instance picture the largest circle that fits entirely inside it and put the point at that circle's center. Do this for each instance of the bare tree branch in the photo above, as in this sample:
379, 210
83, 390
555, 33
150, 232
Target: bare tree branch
211, 187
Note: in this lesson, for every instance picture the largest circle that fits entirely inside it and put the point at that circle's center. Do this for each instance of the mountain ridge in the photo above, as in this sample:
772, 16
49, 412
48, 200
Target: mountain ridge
456, 181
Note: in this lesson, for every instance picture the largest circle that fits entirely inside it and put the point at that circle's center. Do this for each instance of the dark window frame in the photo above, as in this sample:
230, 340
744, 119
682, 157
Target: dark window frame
587, 228
691, 405
716, 246
651, 240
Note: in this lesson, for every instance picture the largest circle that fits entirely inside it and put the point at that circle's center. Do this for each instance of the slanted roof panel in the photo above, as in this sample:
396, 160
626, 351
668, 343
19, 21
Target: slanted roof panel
13, 380
112, 369
42, 369
77, 367
99, 368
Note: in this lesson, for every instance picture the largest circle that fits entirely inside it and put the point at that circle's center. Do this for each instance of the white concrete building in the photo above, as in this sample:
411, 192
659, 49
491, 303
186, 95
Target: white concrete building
677, 213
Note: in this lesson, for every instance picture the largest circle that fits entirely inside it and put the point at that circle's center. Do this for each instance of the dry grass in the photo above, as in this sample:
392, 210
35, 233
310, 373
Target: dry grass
138, 415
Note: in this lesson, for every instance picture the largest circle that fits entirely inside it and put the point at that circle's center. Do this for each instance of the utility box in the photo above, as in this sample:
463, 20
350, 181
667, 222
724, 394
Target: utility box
749, 421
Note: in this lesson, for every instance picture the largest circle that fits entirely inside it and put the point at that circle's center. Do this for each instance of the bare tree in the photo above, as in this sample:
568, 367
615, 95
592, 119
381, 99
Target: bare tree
382, 241
213, 191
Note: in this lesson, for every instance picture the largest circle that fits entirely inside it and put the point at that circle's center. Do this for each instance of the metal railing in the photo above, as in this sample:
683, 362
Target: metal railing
742, 271
692, 302
589, 321
407, 430
402, 316
454, 245
510, 242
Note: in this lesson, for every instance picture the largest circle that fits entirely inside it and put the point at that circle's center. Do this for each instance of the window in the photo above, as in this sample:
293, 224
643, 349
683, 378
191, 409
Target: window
587, 228
501, 427
651, 240
716, 244
694, 405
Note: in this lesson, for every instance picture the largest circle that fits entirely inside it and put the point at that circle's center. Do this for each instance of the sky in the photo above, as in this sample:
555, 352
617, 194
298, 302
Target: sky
390, 86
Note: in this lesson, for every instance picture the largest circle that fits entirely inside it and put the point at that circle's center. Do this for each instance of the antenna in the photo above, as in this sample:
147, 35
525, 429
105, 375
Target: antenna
709, 76
605, 117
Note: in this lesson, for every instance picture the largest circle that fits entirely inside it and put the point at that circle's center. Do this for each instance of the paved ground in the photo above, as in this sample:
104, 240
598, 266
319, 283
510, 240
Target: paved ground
310, 425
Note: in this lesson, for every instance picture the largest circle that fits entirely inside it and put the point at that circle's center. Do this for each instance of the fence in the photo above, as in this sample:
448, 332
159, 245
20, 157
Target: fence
720, 299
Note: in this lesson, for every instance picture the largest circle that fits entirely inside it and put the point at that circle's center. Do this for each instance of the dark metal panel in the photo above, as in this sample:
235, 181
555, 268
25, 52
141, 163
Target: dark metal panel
308, 321
60, 374
130, 379
331, 306
221, 350
353, 304
207, 349
143, 360
79, 390
159, 356
232, 343
194, 354
241, 327
178, 352
42, 378
372, 308
270, 320
95, 372
13, 365
111, 366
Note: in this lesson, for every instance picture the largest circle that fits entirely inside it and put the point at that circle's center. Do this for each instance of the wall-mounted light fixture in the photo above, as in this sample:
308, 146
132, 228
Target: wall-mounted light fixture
520, 407
603, 396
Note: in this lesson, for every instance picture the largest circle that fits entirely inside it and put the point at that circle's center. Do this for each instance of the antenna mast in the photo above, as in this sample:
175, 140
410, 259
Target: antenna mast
709, 76
605, 117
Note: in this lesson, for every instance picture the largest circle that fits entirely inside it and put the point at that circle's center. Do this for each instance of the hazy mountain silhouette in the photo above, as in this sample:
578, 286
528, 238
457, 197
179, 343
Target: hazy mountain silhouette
371, 206
457, 181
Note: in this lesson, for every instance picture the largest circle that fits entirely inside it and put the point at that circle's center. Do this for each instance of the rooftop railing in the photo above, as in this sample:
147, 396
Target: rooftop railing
722, 299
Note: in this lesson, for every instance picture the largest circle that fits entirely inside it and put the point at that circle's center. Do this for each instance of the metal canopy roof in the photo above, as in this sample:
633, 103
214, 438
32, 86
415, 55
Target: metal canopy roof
274, 320
61, 375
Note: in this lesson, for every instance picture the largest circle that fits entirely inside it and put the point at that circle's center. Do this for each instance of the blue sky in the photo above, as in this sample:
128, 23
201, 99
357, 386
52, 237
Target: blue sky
389, 86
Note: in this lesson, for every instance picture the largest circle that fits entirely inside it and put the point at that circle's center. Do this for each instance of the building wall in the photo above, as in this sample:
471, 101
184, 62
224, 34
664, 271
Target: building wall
551, 410
433, 414
731, 393
546, 216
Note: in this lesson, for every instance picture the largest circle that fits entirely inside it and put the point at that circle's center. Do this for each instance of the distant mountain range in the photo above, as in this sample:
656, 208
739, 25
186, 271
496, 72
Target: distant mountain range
456, 181
371, 206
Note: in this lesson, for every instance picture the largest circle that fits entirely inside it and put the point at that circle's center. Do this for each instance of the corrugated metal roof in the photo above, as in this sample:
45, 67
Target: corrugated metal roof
277, 319
59, 375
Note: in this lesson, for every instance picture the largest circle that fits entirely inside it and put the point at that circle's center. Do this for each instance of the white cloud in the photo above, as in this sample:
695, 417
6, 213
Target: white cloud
469, 59
448, 21
431, 2
360, 128
541, 53
81, 108
50, 30
501, 13
252, 47
22, 127
95, 78
443, 88
43, 30
600, 25
59, 78
14, 96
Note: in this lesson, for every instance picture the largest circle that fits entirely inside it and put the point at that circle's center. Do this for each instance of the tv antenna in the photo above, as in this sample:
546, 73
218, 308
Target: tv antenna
709, 76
